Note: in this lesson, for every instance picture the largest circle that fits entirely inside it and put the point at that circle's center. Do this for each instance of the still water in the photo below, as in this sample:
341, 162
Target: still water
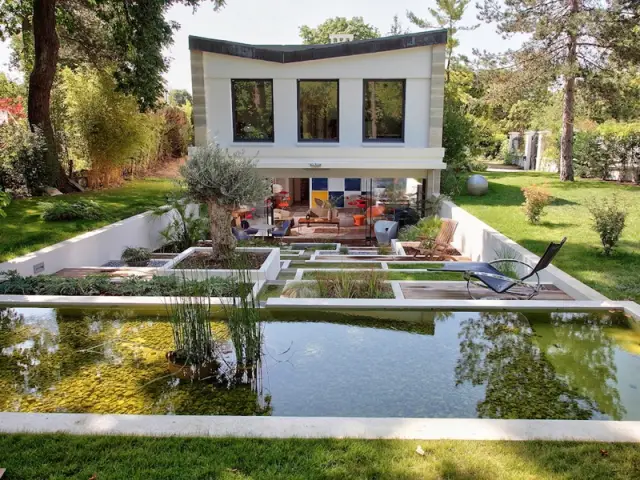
373, 364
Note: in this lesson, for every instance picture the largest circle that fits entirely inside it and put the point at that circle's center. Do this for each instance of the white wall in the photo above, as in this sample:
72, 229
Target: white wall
482, 243
94, 248
413, 64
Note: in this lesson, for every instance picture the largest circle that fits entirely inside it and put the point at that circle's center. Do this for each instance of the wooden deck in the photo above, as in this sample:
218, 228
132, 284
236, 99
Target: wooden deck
458, 291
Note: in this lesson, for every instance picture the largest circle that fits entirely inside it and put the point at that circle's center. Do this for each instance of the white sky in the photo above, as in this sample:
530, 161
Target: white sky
277, 21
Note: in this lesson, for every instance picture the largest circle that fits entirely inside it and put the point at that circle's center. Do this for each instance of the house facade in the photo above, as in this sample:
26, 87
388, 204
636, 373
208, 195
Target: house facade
326, 121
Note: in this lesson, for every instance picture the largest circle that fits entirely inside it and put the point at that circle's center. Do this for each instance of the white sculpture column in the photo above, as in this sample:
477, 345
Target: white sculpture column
542, 142
528, 148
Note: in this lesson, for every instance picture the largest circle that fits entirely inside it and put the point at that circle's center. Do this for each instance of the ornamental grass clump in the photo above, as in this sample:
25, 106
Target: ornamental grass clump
343, 284
608, 219
65, 211
223, 181
136, 256
536, 199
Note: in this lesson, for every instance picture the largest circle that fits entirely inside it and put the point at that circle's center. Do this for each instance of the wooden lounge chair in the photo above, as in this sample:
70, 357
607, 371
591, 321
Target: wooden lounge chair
442, 241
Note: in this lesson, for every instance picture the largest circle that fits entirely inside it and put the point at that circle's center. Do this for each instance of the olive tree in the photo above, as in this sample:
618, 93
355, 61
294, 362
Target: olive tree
223, 181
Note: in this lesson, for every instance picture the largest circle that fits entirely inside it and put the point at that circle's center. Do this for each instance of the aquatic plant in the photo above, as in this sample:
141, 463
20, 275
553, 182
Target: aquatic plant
190, 319
243, 317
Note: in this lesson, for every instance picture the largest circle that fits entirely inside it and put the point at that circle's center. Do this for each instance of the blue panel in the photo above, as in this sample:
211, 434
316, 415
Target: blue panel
339, 196
320, 184
352, 184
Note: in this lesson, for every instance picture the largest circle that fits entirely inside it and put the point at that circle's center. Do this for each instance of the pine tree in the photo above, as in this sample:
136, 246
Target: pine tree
447, 15
568, 38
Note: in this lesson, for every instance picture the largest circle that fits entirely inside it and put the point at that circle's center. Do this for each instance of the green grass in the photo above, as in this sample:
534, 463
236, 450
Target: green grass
413, 265
341, 265
77, 457
425, 276
23, 230
616, 277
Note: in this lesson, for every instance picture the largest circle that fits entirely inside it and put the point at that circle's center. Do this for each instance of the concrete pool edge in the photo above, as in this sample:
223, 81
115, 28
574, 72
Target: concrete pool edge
321, 427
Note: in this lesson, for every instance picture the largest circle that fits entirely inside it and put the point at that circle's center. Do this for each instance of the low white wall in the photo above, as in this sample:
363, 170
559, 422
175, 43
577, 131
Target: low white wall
482, 243
94, 248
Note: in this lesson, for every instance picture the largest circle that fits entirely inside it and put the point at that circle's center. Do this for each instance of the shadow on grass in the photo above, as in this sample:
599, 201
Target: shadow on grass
63, 456
614, 276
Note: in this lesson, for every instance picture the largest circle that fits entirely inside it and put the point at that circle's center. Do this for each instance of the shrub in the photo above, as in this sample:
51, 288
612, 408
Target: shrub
608, 219
105, 126
23, 166
5, 200
187, 225
65, 211
176, 131
536, 199
94, 285
478, 166
136, 256
427, 227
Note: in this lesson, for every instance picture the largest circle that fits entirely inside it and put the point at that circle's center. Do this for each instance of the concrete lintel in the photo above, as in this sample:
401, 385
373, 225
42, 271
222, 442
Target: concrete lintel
320, 427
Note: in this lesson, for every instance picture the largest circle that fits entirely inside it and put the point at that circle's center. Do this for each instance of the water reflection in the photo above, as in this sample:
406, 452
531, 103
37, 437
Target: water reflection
541, 366
384, 363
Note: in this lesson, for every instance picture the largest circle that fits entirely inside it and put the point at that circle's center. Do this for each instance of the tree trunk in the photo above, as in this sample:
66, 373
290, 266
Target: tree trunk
223, 243
46, 47
566, 143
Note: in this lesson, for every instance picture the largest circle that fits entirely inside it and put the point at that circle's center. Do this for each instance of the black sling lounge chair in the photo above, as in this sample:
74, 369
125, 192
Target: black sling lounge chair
487, 276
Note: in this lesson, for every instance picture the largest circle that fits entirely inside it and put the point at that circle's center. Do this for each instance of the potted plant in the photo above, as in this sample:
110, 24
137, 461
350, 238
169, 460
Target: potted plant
136, 256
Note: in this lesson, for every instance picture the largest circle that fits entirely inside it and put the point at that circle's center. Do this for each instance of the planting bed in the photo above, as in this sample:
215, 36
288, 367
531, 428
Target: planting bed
201, 260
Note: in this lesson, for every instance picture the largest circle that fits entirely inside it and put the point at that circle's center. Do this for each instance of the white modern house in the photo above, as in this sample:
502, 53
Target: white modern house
324, 120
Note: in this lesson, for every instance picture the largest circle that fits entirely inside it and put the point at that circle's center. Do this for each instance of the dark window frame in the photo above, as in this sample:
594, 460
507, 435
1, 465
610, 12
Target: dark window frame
317, 140
364, 110
233, 112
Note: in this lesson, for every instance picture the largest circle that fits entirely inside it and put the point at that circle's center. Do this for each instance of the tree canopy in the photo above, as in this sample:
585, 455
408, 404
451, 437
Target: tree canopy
355, 26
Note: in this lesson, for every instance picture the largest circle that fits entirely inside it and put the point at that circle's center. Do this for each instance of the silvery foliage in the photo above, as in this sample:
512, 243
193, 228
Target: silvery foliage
228, 179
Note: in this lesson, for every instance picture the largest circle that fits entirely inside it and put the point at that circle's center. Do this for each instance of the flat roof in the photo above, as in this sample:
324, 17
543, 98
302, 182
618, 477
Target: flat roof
304, 53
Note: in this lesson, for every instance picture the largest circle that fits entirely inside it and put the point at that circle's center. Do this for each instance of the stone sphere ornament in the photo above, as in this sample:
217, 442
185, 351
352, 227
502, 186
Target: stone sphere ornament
477, 185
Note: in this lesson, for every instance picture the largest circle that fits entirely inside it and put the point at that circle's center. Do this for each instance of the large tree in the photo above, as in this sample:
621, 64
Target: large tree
567, 39
336, 25
129, 34
448, 14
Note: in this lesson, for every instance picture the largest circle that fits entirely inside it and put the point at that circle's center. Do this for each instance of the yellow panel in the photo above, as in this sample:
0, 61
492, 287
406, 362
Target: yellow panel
320, 195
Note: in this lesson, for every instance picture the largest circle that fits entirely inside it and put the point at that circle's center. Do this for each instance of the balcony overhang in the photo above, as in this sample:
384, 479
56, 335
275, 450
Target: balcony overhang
338, 162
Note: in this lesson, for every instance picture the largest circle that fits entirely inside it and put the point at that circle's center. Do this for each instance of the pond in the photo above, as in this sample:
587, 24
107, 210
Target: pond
316, 363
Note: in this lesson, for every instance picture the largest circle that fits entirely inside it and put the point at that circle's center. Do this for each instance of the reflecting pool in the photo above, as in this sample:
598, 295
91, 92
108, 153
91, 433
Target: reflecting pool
315, 363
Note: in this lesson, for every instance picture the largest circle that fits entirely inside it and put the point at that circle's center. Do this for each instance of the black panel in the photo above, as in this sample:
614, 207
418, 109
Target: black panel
304, 53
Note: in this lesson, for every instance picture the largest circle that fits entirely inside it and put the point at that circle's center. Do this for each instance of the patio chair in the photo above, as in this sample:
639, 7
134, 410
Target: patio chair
282, 230
240, 234
487, 276
442, 241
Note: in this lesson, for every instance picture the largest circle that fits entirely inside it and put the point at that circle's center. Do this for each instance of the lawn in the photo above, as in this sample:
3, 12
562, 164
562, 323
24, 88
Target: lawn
23, 230
104, 458
617, 277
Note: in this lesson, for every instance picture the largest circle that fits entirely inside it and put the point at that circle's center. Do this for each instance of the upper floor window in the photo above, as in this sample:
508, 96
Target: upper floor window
384, 110
252, 105
318, 112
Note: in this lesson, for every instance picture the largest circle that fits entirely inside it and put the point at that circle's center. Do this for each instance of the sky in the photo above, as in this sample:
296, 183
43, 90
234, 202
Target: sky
277, 21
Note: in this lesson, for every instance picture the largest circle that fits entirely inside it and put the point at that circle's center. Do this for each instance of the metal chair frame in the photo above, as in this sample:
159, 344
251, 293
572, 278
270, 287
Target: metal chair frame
533, 289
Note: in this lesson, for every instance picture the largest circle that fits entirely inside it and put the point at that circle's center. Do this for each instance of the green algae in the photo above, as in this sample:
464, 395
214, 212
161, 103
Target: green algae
98, 364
